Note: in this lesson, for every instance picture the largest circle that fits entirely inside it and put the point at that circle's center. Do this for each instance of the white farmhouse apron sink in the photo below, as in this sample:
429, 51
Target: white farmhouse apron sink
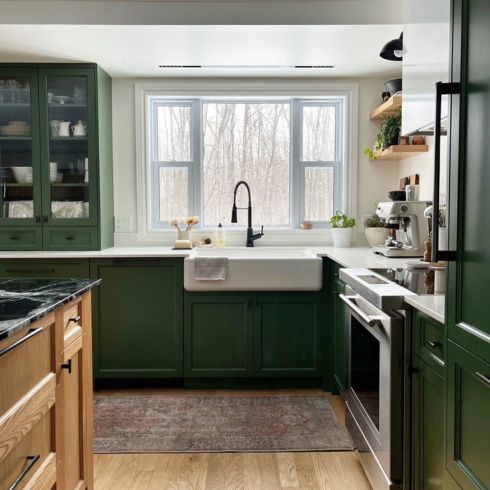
259, 269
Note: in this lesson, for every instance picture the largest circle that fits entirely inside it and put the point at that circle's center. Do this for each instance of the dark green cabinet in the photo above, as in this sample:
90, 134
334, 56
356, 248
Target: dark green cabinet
429, 341
339, 340
467, 319
69, 268
287, 336
468, 418
138, 324
55, 157
469, 219
257, 335
428, 428
218, 336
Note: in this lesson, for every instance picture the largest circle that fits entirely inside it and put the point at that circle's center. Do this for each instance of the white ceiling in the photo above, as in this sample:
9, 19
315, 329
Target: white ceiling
136, 51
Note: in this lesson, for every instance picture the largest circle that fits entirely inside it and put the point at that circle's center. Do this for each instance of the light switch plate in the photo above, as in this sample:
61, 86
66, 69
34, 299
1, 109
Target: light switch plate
122, 224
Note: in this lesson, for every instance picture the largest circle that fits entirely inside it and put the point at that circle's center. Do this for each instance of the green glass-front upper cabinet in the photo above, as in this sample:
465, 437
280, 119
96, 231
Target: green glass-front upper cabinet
56, 160
468, 418
20, 172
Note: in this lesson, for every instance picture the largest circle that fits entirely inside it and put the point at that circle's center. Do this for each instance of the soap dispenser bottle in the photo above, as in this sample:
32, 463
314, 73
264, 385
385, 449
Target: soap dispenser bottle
220, 236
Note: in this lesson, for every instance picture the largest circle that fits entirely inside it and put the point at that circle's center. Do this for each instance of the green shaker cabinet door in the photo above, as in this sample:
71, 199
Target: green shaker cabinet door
428, 428
468, 306
468, 418
339, 353
218, 336
286, 336
138, 318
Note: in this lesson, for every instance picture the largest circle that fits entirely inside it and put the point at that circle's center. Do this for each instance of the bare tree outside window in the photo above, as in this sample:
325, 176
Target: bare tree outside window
319, 133
246, 141
174, 133
195, 171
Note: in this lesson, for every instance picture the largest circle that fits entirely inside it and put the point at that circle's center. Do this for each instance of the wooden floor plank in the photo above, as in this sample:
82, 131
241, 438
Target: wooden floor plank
225, 472
288, 477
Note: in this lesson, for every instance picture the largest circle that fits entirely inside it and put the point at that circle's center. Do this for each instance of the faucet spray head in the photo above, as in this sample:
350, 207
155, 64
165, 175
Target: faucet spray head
234, 218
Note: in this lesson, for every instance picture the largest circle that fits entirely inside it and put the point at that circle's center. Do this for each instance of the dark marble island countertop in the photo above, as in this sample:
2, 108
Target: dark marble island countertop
23, 301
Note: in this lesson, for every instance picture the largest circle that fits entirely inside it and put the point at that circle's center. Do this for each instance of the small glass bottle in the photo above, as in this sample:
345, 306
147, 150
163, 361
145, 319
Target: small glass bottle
220, 236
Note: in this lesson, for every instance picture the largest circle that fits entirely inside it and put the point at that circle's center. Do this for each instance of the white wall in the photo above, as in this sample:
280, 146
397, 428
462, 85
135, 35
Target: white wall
423, 165
375, 179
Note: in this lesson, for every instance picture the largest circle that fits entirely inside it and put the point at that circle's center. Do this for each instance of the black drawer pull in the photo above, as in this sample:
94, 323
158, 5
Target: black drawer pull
67, 366
31, 461
75, 319
30, 271
70, 238
14, 237
432, 344
32, 332
484, 379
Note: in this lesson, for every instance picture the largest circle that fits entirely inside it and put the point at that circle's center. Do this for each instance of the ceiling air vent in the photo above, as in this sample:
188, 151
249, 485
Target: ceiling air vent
314, 66
179, 66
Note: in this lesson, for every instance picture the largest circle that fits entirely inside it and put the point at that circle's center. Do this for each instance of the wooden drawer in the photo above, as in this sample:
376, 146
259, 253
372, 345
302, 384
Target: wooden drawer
429, 341
32, 458
69, 238
72, 328
21, 238
26, 358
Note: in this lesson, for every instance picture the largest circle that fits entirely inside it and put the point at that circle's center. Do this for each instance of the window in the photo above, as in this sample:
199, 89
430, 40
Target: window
290, 151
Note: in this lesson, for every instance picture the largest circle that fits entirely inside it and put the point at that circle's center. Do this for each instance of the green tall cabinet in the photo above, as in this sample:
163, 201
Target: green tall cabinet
468, 313
55, 157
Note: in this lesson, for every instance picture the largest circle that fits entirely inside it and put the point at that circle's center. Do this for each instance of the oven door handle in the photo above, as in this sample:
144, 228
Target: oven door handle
369, 320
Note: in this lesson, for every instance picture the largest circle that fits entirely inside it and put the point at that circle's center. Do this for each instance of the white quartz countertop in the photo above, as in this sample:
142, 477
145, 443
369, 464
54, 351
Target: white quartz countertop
432, 305
346, 257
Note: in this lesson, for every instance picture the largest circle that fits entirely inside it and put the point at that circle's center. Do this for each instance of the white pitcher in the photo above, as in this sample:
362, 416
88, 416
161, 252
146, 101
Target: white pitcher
79, 129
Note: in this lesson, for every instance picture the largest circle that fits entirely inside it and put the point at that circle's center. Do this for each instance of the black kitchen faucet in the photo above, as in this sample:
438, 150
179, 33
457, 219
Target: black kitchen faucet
251, 237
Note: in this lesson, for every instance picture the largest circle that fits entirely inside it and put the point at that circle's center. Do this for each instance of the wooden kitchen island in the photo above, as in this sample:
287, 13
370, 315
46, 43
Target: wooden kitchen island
46, 419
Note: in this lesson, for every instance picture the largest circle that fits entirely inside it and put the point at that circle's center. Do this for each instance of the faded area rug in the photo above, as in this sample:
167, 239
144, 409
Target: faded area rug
161, 423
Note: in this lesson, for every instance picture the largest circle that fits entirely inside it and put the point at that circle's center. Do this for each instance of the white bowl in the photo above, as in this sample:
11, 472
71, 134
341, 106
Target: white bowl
20, 174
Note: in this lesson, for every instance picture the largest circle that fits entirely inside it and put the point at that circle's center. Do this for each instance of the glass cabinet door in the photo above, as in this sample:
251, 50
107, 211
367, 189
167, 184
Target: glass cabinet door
20, 200
68, 146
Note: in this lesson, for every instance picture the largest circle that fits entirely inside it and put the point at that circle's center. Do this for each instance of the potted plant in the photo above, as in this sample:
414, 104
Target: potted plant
388, 135
374, 230
342, 229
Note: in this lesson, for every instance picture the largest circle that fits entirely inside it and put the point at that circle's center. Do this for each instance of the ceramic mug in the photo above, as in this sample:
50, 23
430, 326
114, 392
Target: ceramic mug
64, 128
55, 127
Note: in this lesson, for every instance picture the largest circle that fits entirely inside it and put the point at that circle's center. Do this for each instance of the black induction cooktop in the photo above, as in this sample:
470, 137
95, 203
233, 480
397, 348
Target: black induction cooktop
419, 281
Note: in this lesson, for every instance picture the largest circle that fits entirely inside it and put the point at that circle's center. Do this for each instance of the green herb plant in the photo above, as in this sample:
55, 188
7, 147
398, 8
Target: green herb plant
388, 135
341, 220
373, 221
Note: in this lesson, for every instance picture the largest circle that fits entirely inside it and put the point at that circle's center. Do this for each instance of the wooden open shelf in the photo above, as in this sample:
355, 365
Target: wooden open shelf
398, 152
388, 108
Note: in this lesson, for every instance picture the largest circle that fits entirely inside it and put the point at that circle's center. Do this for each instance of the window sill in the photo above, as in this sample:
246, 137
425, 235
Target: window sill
233, 237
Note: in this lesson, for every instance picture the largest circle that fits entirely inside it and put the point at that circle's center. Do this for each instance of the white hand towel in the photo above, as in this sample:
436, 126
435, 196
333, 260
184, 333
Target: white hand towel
210, 268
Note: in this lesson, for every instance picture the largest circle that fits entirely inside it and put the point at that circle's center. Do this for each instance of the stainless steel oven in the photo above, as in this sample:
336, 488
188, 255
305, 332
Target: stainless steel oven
376, 389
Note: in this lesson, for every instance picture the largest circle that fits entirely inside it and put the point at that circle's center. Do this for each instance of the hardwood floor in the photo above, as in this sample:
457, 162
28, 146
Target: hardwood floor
231, 471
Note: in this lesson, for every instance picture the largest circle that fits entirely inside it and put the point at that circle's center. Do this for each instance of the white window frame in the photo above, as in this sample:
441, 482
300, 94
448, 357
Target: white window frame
310, 92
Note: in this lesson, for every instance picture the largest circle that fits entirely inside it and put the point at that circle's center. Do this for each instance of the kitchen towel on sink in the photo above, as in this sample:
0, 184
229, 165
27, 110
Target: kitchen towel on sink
210, 268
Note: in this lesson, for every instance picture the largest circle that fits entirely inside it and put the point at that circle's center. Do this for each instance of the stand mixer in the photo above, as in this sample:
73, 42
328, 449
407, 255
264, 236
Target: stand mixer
408, 228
